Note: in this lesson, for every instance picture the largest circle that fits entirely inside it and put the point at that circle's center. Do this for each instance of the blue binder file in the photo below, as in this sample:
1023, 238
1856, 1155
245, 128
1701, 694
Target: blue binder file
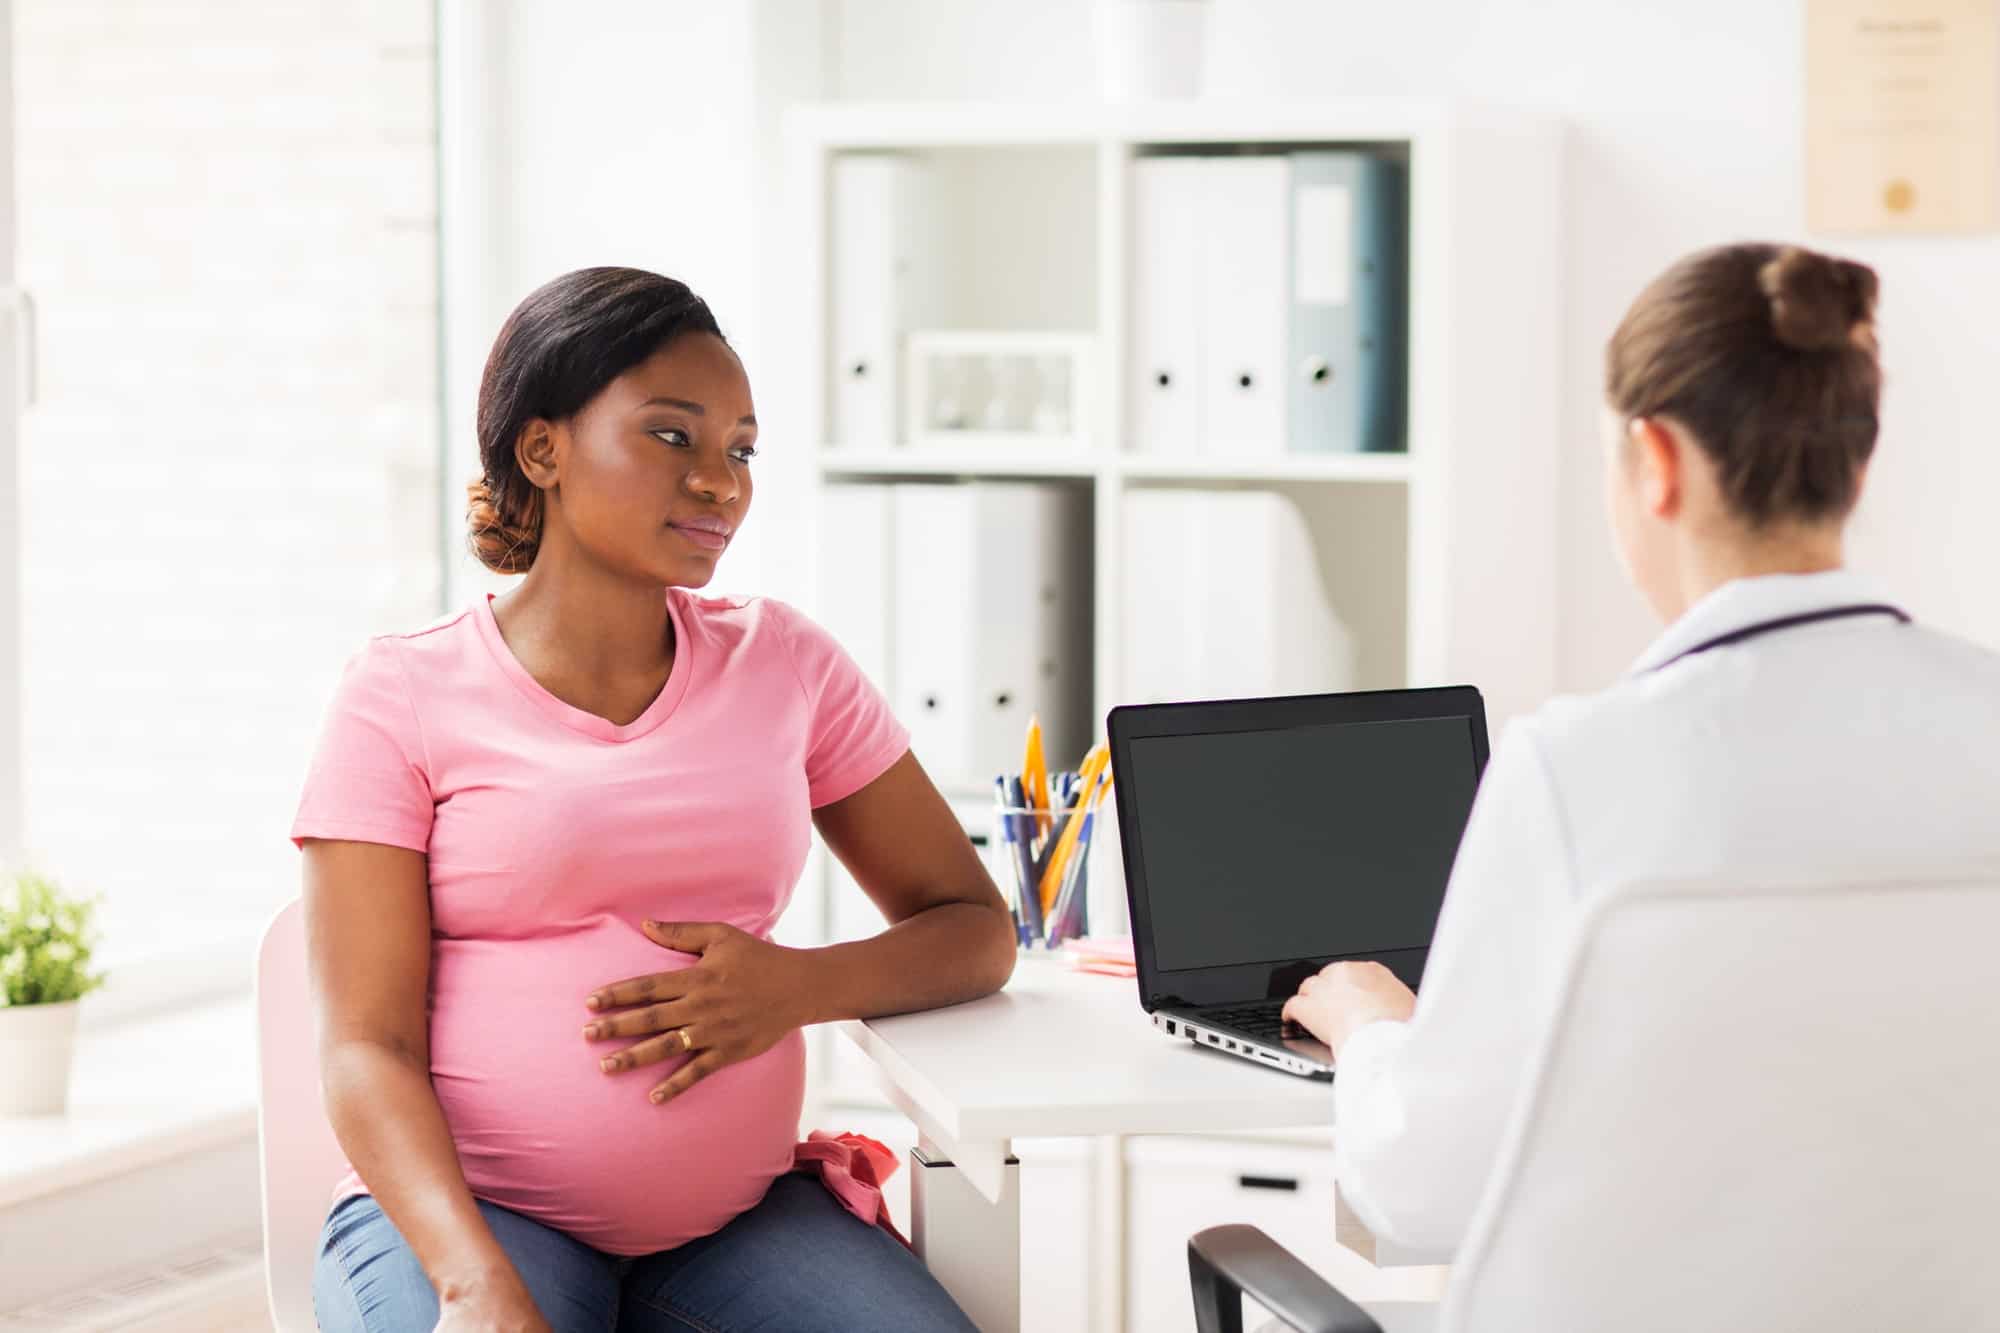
1350, 302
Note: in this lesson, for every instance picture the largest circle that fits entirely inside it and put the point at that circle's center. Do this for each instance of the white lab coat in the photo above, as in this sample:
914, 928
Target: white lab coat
1845, 747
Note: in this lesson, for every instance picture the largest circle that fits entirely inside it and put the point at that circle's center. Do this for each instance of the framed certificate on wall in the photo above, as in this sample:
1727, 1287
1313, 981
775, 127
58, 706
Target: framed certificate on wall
1902, 115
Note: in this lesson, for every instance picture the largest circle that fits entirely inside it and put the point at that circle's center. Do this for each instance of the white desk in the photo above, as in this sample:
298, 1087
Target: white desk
1056, 1054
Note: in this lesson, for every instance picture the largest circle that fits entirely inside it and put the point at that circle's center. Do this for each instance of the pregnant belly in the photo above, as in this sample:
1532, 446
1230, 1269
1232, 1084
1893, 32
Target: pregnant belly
540, 1130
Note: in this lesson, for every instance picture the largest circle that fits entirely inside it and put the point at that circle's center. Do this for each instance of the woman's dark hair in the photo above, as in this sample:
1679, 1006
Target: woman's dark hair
1766, 354
555, 353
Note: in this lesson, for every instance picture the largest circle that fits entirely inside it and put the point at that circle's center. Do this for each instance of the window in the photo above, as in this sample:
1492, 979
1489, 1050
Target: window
230, 475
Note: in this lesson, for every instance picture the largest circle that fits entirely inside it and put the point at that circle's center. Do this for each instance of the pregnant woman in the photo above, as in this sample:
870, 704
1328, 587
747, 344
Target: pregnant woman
545, 841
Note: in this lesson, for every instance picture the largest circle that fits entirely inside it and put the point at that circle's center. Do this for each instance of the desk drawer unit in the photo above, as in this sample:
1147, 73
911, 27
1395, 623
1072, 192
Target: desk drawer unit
1178, 1186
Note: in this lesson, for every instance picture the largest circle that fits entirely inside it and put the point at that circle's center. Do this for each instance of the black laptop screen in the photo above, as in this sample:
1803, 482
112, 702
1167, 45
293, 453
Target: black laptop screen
1303, 842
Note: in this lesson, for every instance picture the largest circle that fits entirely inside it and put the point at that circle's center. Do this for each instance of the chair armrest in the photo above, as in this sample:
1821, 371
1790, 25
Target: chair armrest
1227, 1263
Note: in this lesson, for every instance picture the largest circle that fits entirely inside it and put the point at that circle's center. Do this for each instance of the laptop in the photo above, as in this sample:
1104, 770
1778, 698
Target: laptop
1266, 838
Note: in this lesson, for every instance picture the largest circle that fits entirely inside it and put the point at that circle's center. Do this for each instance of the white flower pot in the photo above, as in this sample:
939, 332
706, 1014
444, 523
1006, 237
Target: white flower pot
37, 1043
1150, 49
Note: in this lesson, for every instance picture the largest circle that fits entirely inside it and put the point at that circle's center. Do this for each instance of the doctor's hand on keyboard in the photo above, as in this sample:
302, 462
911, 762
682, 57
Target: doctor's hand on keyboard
1342, 998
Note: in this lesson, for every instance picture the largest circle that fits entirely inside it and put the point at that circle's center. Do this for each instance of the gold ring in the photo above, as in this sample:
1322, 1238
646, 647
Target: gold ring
687, 1042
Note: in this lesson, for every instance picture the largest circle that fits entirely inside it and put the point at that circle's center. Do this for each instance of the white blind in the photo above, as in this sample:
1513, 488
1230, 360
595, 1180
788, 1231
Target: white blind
228, 221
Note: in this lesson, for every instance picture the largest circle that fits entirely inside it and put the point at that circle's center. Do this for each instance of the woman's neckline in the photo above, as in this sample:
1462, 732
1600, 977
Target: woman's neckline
578, 719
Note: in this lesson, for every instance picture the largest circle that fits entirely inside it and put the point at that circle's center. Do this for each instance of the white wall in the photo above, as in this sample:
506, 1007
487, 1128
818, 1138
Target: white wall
1685, 119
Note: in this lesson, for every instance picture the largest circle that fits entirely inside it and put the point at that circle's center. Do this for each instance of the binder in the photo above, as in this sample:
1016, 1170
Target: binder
1349, 357
855, 537
1224, 600
1245, 304
935, 591
874, 272
991, 624
1163, 370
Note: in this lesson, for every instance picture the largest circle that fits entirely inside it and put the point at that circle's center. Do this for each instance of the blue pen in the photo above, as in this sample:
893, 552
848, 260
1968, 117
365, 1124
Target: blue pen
1066, 901
1063, 817
1020, 829
1079, 914
1001, 792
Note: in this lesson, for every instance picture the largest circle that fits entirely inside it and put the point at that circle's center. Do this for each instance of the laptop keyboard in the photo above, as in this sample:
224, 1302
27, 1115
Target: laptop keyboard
1262, 1020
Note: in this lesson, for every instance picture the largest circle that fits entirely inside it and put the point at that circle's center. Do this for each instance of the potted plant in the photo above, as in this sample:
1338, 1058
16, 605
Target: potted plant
46, 937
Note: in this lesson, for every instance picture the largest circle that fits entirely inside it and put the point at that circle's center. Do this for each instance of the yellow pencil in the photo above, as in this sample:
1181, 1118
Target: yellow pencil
1035, 778
1090, 780
1093, 771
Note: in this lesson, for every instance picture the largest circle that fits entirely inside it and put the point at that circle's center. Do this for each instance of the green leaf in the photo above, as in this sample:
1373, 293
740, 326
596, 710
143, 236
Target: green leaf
46, 939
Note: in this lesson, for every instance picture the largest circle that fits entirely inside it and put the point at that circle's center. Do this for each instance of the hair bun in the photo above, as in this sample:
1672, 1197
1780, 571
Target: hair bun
502, 545
1818, 302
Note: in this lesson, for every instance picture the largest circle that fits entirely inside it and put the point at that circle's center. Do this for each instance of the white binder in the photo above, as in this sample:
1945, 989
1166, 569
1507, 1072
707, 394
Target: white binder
1163, 369
1224, 600
1246, 304
1209, 305
874, 270
856, 560
990, 625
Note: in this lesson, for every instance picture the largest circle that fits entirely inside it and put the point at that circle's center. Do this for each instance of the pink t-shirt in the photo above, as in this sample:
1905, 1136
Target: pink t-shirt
552, 833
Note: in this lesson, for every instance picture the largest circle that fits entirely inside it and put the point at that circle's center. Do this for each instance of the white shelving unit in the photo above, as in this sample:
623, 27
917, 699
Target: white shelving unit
1441, 559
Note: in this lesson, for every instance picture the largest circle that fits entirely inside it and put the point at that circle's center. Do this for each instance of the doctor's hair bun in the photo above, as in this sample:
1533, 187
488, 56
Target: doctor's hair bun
1818, 302
1766, 355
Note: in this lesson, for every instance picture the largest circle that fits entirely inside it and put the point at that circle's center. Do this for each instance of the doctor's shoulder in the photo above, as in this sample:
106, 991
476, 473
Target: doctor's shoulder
1574, 743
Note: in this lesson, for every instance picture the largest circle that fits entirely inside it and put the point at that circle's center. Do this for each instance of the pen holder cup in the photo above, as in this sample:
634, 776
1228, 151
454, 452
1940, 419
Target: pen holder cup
1026, 843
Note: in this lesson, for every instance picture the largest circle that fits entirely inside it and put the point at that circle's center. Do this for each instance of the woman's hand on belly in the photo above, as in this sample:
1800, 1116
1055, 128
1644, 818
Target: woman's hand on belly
742, 998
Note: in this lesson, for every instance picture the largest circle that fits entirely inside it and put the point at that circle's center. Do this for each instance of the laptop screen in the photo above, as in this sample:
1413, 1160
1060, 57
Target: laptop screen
1300, 842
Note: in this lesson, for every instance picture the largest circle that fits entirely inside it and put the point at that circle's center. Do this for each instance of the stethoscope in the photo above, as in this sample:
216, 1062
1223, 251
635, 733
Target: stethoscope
1763, 627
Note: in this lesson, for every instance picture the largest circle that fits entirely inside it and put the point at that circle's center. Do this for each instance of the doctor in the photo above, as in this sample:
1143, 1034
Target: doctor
1790, 721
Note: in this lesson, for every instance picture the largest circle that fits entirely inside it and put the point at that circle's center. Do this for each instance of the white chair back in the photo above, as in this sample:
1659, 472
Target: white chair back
1756, 1111
300, 1160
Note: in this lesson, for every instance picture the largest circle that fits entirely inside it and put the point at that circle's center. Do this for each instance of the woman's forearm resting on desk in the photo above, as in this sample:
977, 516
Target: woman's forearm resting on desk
942, 955
950, 937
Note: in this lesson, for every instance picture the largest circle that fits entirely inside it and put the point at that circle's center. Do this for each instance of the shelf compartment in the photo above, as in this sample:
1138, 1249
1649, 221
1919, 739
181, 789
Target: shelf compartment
1360, 538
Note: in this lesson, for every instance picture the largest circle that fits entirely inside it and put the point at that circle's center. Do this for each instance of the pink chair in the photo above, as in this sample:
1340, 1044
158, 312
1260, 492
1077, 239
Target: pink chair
300, 1160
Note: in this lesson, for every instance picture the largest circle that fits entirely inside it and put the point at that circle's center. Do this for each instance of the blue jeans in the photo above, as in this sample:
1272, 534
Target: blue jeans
797, 1262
